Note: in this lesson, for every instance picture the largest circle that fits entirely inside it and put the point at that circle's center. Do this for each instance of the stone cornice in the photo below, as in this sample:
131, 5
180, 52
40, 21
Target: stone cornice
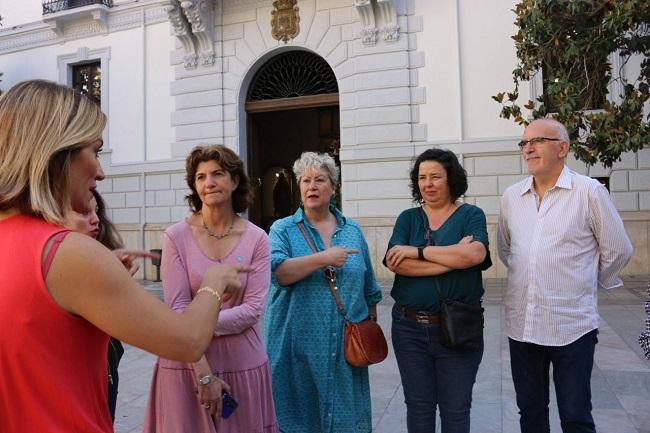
119, 18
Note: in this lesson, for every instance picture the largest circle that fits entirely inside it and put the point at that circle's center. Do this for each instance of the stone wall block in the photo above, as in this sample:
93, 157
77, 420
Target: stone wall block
126, 216
618, 181
643, 158
381, 80
644, 200
418, 95
349, 32
330, 41
416, 59
244, 52
177, 181
114, 200
345, 15
382, 97
489, 204
125, 184
179, 213
348, 136
155, 182
505, 164
195, 100
134, 199
382, 115
383, 189
196, 115
338, 56
627, 162
318, 29
626, 201
158, 215
239, 16
468, 165
640, 180
508, 180
233, 32
165, 198
396, 170
415, 23
180, 197
105, 185
384, 133
198, 131
382, 207
381, 62
482, 185
418, 133
194, 84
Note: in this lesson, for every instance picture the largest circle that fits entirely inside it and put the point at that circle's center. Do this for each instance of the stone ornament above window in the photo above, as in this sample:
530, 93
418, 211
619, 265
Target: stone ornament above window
285, 20
192, 23
376, 13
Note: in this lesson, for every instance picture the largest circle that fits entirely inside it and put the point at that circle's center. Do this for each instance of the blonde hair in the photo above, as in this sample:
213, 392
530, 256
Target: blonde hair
42, 126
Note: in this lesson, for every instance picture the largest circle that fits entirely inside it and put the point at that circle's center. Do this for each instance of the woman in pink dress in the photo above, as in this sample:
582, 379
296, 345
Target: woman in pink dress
187, 397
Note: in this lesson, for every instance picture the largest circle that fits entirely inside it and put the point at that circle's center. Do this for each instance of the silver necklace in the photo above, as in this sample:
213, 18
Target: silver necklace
216, 235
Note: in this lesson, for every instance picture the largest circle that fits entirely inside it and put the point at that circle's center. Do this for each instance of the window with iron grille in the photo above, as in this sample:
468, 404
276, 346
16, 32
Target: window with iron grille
87, 79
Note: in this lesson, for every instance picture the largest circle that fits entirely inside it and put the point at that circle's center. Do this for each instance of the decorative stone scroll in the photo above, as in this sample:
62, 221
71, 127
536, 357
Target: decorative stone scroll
200, 14
367, 15
374, 12
193, 25
388, 16
183, 33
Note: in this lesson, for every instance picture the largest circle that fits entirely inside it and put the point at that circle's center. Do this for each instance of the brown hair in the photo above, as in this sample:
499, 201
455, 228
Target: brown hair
42, 126
229, 161
108, 234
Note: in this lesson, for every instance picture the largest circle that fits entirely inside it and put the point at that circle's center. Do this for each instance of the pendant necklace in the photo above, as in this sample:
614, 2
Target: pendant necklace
216, 235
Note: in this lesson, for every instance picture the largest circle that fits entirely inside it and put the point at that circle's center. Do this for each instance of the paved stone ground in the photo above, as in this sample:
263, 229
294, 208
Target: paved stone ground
620, 380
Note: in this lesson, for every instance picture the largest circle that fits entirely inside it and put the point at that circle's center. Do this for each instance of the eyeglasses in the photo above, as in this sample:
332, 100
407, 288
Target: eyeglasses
533, 141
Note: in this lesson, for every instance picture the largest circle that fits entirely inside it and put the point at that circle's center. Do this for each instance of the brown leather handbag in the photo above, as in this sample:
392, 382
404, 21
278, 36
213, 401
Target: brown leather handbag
365, 343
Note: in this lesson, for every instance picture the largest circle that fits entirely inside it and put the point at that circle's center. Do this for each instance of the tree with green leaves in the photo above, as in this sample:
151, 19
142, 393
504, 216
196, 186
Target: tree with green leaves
570, 42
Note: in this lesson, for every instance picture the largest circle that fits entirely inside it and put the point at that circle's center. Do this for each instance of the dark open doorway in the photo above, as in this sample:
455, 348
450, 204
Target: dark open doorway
292, 107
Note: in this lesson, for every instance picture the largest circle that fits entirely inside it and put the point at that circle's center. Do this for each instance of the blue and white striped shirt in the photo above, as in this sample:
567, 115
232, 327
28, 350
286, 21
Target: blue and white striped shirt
557, 256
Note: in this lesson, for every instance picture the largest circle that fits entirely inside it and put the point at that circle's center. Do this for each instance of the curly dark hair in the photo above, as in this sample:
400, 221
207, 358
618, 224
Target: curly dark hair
229, 161
456, 175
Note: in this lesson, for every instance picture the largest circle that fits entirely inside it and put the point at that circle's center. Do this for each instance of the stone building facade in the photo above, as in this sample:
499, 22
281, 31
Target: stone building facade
409, 75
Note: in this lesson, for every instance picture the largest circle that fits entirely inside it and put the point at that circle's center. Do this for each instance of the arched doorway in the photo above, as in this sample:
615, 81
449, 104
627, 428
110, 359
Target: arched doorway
292, 106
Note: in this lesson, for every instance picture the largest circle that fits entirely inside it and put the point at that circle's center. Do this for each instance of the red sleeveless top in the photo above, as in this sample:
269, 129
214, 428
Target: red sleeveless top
52, 363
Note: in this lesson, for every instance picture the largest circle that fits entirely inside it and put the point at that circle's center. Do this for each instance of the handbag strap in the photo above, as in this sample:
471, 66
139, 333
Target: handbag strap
329, 273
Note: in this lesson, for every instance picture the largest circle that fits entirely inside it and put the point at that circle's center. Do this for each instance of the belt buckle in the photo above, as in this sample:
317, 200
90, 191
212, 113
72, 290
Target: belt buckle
422, 318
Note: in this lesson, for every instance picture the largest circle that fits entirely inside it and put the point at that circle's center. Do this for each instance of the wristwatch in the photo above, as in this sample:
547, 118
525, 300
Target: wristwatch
205, 380
420, 253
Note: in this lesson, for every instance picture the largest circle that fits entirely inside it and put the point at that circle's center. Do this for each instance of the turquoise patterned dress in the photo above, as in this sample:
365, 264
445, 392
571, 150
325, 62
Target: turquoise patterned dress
314, 389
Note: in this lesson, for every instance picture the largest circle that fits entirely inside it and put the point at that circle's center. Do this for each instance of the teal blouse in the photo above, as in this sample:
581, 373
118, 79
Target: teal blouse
314, 389
465, 285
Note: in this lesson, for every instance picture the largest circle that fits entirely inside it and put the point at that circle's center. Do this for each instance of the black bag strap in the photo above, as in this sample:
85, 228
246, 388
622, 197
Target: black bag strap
328, 272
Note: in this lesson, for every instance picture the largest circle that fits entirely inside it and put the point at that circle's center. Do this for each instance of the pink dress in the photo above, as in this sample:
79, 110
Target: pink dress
236, 354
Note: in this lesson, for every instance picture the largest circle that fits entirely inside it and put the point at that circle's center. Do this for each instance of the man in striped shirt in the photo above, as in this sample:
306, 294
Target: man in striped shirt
560, 237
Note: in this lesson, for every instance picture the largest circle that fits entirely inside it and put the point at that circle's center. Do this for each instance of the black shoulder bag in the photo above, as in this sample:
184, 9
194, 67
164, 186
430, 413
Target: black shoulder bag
461, 324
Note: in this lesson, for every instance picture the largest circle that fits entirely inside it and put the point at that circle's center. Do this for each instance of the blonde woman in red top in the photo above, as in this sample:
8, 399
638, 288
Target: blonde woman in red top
62, 293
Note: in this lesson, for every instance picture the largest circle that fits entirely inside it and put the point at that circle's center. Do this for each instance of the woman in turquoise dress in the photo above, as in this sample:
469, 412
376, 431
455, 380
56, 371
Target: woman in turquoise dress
314, 389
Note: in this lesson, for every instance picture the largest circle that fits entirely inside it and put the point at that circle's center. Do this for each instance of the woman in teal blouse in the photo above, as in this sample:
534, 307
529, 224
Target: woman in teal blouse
437, 250
314, 389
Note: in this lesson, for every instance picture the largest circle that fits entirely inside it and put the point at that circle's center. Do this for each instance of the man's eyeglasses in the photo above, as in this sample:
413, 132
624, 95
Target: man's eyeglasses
533, 141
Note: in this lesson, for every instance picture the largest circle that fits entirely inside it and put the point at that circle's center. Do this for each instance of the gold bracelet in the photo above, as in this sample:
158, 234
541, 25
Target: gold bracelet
211, 291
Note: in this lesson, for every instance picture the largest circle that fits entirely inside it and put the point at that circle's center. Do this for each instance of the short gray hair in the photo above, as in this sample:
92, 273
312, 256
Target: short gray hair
316, 161
559, 127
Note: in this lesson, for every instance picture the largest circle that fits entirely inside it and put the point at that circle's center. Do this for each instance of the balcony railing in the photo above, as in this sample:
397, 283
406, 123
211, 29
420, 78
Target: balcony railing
53, 6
